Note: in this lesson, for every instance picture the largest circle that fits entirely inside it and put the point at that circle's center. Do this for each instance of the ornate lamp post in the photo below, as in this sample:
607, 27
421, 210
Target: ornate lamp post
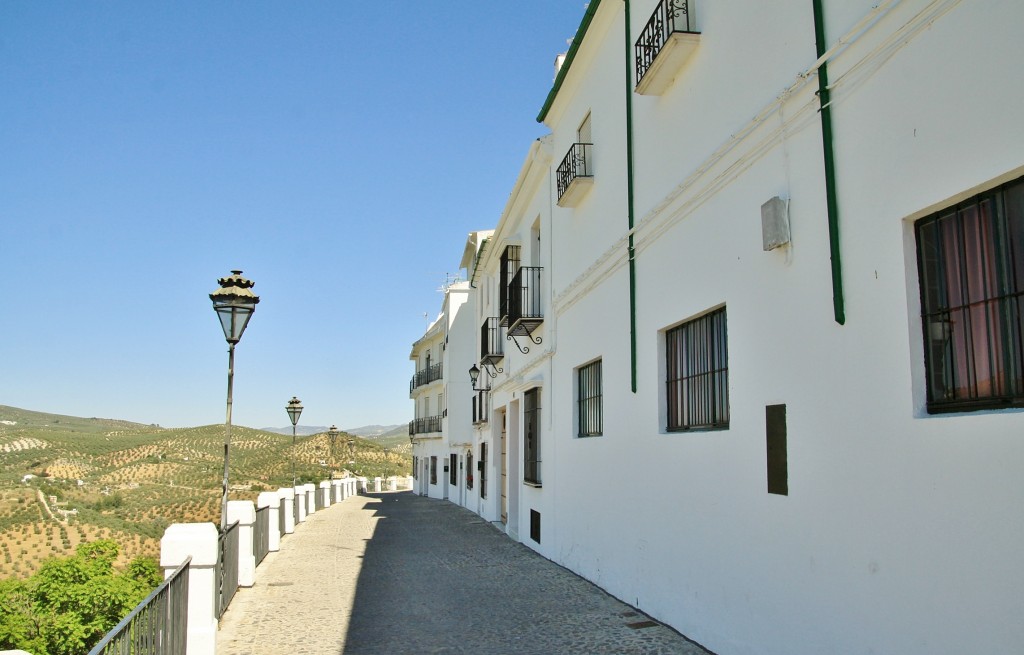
352, 451
332, 434
234, 303
294, 409
474, 374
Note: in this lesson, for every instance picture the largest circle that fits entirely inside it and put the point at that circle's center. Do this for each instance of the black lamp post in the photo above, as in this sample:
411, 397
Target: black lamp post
294, 409
234, 303
352, 451
474, 375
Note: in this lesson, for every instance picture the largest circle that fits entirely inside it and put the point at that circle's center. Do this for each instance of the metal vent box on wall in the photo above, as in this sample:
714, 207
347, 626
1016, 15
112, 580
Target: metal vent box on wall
775, 223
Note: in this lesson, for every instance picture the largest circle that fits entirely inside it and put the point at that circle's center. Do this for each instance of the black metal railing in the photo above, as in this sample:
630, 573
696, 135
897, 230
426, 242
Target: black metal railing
524, 296
261, 534
227, 567
295, 507
491, 347
668, 17
578, 162
157, 626
480, 407
280, 517
426, 376
425, 425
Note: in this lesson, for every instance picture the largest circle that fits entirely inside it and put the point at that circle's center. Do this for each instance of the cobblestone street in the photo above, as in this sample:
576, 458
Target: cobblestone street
397, 573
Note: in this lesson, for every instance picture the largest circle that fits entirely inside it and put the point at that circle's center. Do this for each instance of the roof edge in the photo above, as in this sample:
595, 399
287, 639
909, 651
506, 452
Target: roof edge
581, 32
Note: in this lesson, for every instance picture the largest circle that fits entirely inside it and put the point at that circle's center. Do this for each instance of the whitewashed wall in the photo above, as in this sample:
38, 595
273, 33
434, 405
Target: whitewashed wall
900, 530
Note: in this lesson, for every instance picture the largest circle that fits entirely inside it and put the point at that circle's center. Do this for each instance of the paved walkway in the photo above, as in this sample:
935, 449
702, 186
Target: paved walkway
395, 573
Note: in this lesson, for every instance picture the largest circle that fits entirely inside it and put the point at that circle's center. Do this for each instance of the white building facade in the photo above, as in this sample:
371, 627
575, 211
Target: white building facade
749, 333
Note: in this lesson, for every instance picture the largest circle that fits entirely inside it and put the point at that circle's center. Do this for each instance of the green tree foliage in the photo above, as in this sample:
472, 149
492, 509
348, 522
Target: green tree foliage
71, 602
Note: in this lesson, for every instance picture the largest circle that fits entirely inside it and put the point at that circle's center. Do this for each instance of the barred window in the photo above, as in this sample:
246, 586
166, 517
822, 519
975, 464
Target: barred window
971, 264
531, 451
697, 374
433, 469
483, 470
589, 409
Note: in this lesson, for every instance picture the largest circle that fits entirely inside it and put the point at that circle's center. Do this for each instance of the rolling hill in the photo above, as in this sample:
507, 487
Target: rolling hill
66, 479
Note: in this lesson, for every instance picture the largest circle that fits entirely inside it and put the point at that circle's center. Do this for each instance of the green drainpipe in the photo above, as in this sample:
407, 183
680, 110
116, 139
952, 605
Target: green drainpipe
629, 201
838, 304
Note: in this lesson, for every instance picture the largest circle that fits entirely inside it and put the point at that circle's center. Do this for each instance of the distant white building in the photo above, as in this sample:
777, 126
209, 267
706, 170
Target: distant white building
440, 434
751, 342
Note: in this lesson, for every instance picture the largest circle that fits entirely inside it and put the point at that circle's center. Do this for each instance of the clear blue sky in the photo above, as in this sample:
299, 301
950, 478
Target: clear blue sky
336, 152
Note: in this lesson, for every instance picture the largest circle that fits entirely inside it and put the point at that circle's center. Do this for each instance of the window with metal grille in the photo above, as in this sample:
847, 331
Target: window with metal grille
433, 469
697, 374
483, 470
971, 266
531, 450
469, 469
453, 475
589, 409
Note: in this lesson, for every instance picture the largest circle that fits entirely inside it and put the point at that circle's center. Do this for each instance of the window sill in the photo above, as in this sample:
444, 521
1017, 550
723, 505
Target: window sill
535, 485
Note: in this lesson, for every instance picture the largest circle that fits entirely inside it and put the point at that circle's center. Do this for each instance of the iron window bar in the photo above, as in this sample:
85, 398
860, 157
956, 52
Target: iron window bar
589, 386
697, 374
971, 272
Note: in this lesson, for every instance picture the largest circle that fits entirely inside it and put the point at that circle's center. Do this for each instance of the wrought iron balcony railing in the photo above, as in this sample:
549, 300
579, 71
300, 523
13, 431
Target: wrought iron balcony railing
670, 17
426, 376
492, 349
524, 305
576, 166
425, 425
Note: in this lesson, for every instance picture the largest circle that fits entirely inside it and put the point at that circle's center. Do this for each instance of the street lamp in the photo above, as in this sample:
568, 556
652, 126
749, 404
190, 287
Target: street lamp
332, 434
474, 375
234, 303
352, 451
294, 409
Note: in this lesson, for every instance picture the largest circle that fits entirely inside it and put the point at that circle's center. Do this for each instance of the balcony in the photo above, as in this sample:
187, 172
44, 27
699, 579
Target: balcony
664, 46
481, 407
426, 376
492, 350
575, 174
425, 425
524, 306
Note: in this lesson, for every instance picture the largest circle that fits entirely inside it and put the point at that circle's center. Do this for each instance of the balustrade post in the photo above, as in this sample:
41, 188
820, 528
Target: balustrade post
392, 484
325, 492
376, 485
409, 481
272, 501
244, 511
310, 490
338, 495
300, 495
287, 496
362, 484
198, 541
